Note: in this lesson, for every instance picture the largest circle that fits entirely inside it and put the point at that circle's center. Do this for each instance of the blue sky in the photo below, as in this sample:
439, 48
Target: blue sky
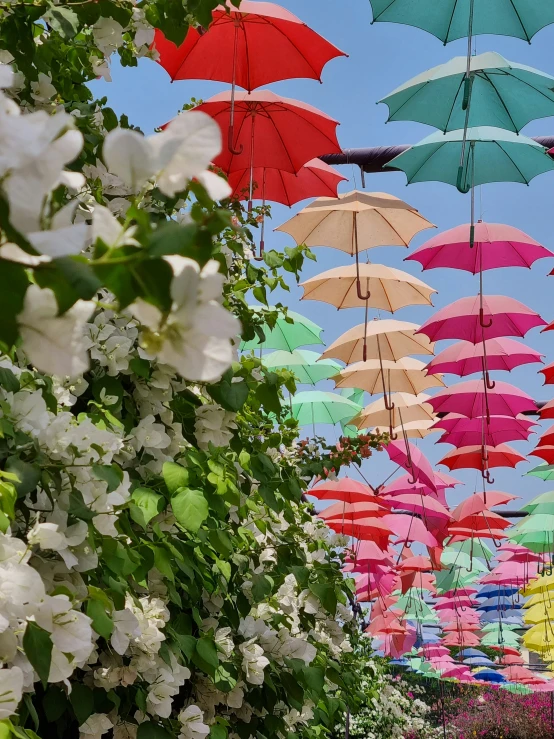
381, 57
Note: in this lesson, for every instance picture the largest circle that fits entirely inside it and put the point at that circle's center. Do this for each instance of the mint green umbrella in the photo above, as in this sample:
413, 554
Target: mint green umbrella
475, 547
544, 471
490, 155
356, 396
449, 20
304, 364
286, 334
316, 406
500, 93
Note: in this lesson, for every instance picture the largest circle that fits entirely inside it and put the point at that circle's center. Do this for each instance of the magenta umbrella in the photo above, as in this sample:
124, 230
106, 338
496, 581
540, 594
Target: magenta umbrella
464, 431
495, 245
465, 358
465, 319
417, 503
408, 456
471, 399
402, 486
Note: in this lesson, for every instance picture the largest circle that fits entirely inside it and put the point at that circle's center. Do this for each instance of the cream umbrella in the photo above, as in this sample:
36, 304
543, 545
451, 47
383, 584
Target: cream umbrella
416, 429
356, 221
405, 375
406, 408
390, 289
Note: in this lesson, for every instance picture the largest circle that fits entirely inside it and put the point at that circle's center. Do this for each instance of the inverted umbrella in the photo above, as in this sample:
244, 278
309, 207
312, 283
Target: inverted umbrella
303, 363
405, 375
468, 399
391, 289
496, 92
495, 245
474, 319
466, 358
489, 155
287, 335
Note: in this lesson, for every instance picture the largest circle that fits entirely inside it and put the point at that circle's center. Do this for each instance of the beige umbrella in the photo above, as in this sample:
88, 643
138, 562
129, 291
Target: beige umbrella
390, 289
417, 429
406, 408
356, 221
405, 375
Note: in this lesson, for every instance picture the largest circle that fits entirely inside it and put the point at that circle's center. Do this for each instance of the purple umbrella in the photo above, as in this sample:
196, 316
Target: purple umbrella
465, 358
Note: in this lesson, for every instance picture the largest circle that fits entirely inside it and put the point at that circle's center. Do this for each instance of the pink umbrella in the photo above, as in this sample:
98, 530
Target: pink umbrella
465, 358
465, 319
408, 528
495, 245
345, 489
408, 456
476, 503
469, 398
500, 429
416, 503
401, 485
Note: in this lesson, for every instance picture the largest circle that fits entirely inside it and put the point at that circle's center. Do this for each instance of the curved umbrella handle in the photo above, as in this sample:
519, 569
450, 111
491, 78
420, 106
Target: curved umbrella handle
460, 179
230, 142
487, 477
387, 406
482, 319
412, 482
392, 435
491, 384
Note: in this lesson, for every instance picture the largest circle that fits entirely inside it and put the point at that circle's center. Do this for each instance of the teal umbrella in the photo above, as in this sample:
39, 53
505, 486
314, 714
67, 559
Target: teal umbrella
449, 20
316, 406
544, 471
489, 155
287, 334
500, 93
304, 364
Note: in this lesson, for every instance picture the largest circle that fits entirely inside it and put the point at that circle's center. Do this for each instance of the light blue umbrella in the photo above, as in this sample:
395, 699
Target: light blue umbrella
478, 662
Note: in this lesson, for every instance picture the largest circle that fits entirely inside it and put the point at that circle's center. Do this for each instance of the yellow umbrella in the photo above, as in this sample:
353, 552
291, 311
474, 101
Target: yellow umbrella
539, 585
540, 613
356, 221
546, 597
406, 409
374, 376
390, 289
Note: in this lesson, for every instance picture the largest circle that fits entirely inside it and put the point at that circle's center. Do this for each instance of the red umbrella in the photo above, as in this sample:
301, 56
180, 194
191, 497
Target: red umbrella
314, 179
468, 399
479, 502
415, 564
548, 373
465, 319
465, 358
408, 456
547, 437
544, 452
495, 245
462, 431
353, 511
253, 45
372, 529
471, 457
345, 489
547, 411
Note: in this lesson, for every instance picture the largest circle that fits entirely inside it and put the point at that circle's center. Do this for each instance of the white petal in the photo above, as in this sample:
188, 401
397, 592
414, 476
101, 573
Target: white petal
128, 154
217, 187
105, 225
61, 243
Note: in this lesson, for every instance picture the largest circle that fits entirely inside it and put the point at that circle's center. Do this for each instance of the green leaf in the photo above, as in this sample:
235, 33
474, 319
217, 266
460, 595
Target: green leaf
8, 380
224, 568
268, 397
190, 508
273, 259
262, 585
175, 476
163, 562
119, 558
315, 678
221, 542
218, 731
292, 687
172, 238
13, 286
63, 20
108, 388
6, 729
230, 395
38, 650
101, 622
54, 703
205, 655
150, 730
141, 367
28, 475
110, 473
78, 507
70, 279
326, 596
145, 505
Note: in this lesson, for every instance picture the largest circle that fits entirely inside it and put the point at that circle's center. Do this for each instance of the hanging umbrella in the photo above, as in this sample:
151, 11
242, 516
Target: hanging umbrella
468, 399
304, 364
470, 457
390, 339
402, 486
408, 456
489, 676
543, 471
495, 93
544, 452
405, 375
500, 429
547, 437
479, 502
409, 528
547, 411
465, 358
316, 406
472, 319
489, 155
313, 179
353, 511
287, 335
416, 429
390, 289
372, 528
406, 408
449, 20
356, 396
345, 489
548, 373
422, 505
495, 245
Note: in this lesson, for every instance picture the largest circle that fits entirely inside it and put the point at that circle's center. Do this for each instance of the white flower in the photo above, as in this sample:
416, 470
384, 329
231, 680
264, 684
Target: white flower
192, 723
160, 699
105, 226
149, 435
224, 641
95, 726
107, 34
70, 630
52, 342
253, 662
11, 691
195, 339
46, 536
126, 627
213, 424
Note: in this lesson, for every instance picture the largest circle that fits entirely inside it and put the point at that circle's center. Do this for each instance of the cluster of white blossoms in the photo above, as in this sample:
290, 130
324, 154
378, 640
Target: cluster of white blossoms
108, 37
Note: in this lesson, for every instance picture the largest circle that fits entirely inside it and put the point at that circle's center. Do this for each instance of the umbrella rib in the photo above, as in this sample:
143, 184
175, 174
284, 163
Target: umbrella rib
520, 21
450, 21
512, 161
454, 104
435, 151
301, 53
376, 17
528, 84
391, 226
281, 177
278, 133
489, 80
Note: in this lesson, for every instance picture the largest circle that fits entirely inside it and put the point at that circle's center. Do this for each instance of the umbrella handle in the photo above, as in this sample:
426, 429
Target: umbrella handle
392, 435
487, 477
472, 236
412, 482
459, 181
482, 319
230, 142
387, 406
467, 92
361, 296
491, 384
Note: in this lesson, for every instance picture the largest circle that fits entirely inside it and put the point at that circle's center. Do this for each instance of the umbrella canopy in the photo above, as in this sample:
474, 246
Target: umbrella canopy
412, 459
468, 399
416, 429
545, 452
547, 411
548, 373
314, 179
252, 45
405, 375
498, 430
472, 319
353, 511
491, 155
287, 335
471, 457
316, 406
465, 358
389, 338
345, 489
495, 245
489, 676
543, 471
409, 528
479, 502
415, 564
303, 363
501, 93
286, 133
390, 289
406, 408
357, 221
425, 506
